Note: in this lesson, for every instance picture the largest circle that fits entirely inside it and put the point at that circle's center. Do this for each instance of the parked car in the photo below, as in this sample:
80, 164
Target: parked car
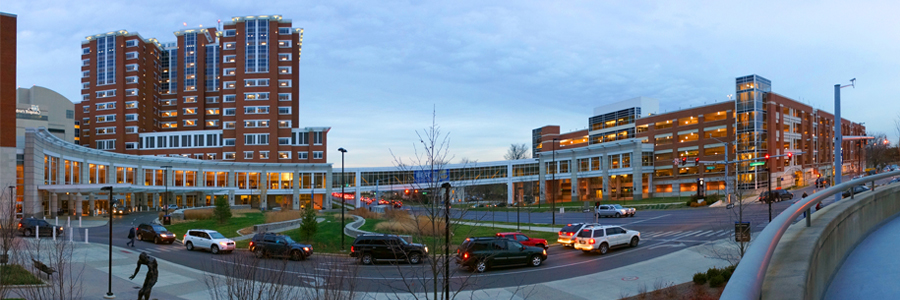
172, 207
524, 239
275, 244
895, 180
777, 195
370, 248
121, 210
28, 226
567, 234
611, 211
855, 190
480, 253
630, 211
211, 240
156, 233
602, 238
821, 182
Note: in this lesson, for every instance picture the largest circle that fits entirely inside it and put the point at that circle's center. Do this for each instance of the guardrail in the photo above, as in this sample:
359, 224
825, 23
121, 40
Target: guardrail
747, 280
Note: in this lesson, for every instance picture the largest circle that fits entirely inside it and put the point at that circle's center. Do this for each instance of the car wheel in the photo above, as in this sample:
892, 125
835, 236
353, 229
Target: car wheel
214, 249
604, 248
140, 237
618, 215
259, 253
28, 232
366, 259
415, 258
481, 266
634, 241
295, 255
156, 240
189, 246
536, 260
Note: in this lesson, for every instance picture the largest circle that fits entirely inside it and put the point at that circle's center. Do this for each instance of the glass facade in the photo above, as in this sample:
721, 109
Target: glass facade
257, 46
106, 60
750, 128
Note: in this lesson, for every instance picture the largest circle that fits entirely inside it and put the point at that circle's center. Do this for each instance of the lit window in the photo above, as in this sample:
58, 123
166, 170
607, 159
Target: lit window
284, 154
263, 154
188, 123
284, 44
228, 155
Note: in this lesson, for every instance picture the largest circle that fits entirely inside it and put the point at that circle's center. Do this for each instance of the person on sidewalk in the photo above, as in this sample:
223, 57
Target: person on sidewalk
801, 198
152, 274
131, 237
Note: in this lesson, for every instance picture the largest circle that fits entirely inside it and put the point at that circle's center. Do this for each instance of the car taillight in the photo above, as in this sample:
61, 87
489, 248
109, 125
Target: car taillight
570, 233
592, 241
466, 255
185, 237
251, 246
20, 225
352, 249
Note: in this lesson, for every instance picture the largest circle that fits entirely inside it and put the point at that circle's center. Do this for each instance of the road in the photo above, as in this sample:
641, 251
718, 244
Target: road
662, 231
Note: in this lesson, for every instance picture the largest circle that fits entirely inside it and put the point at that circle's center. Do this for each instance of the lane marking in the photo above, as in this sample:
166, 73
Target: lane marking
645, 220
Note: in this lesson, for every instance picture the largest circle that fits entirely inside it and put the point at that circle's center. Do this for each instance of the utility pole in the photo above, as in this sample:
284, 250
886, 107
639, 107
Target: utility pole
838, 138
769, 184
446, 186
555, 185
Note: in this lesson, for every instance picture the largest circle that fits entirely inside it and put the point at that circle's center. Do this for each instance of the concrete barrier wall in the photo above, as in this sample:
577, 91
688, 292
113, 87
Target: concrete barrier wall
276, 225
806, 258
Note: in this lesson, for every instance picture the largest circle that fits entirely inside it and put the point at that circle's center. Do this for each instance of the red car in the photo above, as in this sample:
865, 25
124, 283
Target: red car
524, 239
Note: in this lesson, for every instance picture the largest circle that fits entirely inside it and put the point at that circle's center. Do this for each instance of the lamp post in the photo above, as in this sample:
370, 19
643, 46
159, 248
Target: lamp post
555, 185
342, 150
109, 293
166, 220
446, 186
12, 204
838, 160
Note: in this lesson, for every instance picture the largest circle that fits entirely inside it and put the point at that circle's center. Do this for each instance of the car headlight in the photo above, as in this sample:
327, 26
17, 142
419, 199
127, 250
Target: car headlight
426, 249
306, 249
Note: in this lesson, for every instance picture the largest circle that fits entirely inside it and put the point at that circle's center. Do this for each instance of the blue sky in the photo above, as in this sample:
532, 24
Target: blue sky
493, 70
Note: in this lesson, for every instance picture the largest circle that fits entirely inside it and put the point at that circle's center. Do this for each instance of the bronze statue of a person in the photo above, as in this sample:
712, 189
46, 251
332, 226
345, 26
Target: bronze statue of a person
152, 274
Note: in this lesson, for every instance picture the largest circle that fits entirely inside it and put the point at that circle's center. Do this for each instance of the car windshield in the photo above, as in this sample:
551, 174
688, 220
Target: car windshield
42, 223
216, 235
158, 228
403, 241
288, 240
617, 206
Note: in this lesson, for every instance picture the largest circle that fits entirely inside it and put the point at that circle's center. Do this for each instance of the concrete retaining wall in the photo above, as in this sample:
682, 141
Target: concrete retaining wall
806, 258
276, 225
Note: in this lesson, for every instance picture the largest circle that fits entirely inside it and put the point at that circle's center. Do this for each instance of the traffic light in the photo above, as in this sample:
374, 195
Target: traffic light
790, 154
767, 157
683, 161
697, 161
407, 191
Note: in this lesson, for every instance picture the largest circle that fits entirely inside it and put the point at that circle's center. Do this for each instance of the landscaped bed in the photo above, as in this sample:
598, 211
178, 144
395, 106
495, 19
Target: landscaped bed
241, 218
12, 274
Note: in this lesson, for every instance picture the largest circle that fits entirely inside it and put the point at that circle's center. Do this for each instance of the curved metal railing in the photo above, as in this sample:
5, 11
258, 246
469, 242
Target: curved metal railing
747, 280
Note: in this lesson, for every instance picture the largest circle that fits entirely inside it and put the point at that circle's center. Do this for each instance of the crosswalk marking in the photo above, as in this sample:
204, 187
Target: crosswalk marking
694, 234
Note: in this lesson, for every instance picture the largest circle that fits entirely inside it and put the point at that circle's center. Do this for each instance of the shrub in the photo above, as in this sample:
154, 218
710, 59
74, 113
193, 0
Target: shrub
695, 204
222, 212
198, 214
728, 271
161, 215
364, 212
396, 214
717, 281
285, 215
309, 224
712, 272
700, 278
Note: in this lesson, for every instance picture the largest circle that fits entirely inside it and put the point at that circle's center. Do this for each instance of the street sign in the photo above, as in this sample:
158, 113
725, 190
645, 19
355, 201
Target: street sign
710, 167
759, 163
729, 206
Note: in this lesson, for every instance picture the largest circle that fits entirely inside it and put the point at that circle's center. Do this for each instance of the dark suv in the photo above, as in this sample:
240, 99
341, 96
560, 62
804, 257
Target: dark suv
274, 244
156, 233
372, 247
777, 195
28, 226
480, 253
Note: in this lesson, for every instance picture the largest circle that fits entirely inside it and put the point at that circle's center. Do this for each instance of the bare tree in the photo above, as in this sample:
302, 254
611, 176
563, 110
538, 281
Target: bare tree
516, 151
877, 151
9, 243
65, 282
243, 277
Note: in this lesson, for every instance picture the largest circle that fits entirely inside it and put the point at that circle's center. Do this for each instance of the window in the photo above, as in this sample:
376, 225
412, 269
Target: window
230, 46
213, 111
302, 155
229, 58
85, 97
228, 142
131, 55
284, 154
303, 138
688, 121
168, 125
130, 117
212, 123
664, 124
256, 139
317, 154
85, 74
229, 111
715, 116
85, 109
212, 99
248, 154
85, 62
131, 104
131, 129
256, 96
85, 51
284, 57
168, 113
228, 98
190, 111
284, 83
131, 145
284, 124
190, 123
131, 79
317, 138
106, 118
131, 67
210, 156
284, 44
190, 99
256, 123
284, 97
167, 102
256, 109
106, 93
256, 82
85, 85
228, 85
230, 32
284, 110
131, 92
284, 70
284, 141
228, 71
263, 154
106, 145
228, 125
131, 43
105, 105
284, 30
228, 155
105, 130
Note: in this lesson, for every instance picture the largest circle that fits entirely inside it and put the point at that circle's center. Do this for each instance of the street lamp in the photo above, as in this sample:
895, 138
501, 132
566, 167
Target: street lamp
446, 186
167, 220
838, 160
555, 185
109, 293
342, 150
12, 204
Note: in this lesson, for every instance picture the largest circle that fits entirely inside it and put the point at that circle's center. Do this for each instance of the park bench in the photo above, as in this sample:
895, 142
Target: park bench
43, 268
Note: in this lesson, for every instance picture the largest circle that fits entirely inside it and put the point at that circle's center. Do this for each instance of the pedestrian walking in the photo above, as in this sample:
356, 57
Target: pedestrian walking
131, 236
804, 197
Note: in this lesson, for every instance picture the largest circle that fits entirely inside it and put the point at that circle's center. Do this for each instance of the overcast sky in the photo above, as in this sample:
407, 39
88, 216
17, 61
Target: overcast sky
373, 71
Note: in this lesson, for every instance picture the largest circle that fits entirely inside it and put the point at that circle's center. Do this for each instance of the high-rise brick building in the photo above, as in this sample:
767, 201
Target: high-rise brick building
228, 92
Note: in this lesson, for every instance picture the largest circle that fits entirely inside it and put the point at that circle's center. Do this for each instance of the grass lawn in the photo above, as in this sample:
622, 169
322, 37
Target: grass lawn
326, 240
229, 229
12, 274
